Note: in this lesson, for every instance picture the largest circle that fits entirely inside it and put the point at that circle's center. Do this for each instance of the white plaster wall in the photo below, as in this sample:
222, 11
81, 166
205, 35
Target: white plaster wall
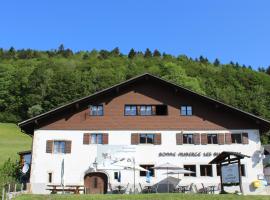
82, 157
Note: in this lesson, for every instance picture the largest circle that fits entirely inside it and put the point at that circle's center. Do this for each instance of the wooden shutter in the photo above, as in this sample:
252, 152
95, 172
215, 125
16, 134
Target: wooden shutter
245, 138
105, 138
68, 146
203, 138
153, 110
49, 145
221, 138
228, 138
86, 138
196, 137
157, 139
138, 110
135, 138
179, 138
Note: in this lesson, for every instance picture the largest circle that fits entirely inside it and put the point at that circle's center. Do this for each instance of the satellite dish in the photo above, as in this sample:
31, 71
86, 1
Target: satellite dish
25, 168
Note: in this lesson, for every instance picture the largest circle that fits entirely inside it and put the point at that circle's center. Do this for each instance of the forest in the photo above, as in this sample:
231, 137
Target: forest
32, 82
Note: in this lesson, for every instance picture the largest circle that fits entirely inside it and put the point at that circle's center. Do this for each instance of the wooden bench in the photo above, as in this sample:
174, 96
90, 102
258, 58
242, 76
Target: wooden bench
67, 188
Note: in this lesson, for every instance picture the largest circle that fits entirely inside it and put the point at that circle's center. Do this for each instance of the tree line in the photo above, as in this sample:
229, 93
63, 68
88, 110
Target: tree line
32, 82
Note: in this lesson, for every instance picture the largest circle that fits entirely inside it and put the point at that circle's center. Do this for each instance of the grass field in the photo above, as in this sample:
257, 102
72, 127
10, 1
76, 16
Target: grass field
141, 196
12, 140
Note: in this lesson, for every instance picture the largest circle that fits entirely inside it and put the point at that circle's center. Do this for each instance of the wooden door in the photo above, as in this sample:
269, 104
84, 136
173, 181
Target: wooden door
94, 184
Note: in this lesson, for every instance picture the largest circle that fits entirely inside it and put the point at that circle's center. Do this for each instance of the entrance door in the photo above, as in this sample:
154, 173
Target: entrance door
95, 183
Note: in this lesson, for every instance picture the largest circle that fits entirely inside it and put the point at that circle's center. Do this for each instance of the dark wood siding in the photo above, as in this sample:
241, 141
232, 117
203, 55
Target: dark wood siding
206, 116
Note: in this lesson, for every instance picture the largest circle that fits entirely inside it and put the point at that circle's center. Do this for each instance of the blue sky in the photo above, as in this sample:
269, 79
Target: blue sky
231, 30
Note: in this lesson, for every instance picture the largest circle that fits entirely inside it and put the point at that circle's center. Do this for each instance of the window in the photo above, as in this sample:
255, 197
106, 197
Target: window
212, 139
236, 138
131, 110
206, 170
97, 138
186, 110
188, 139
190, 168
116, 175
96, 110
149, 168
50, 177
243, 170
95, 182
146, 110
147, 138
59, 146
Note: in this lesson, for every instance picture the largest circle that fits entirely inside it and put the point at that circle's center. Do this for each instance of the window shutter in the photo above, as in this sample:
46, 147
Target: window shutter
68, 146
245, 138
203, 138
196, 138
105, 138
49, 144
228, 138
86, 138
153, 110
138, 110
221, 138
157, 139
179, 138
134, 138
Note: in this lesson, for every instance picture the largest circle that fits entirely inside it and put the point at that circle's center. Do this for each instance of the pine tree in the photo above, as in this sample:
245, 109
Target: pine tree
115, 52
61, 48
216, 62
156, 53
132, 53
147, 53
268, 70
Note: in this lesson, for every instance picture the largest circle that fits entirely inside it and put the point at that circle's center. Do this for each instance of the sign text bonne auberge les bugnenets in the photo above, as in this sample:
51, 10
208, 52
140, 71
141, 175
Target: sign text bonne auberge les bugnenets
187, 154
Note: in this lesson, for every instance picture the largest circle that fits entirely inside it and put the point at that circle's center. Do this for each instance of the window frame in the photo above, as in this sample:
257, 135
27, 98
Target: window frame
145, 111
98, 136
147, 167
147, 138
188, 134
152, 112
97, 106
54, 147
212, 140
235, 139
206, 171
136, 111
186, 110
187, 168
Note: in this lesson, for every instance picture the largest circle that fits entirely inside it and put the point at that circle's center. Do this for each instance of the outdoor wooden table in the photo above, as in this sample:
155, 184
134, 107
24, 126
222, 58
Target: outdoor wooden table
67, 188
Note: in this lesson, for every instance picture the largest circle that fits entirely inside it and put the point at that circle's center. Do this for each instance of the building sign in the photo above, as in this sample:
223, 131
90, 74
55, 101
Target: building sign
187, 154
230, 173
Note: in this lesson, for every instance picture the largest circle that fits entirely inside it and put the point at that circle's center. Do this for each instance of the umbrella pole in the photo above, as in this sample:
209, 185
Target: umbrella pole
167, 182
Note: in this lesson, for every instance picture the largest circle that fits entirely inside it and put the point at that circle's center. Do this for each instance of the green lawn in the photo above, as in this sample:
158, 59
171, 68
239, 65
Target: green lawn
142, 196
12, 140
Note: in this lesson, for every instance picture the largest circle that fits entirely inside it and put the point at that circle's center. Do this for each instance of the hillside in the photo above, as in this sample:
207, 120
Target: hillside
32, 82
12, 141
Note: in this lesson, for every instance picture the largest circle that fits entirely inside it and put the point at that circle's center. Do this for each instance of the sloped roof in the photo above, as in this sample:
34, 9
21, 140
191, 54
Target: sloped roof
33, 120
225, 154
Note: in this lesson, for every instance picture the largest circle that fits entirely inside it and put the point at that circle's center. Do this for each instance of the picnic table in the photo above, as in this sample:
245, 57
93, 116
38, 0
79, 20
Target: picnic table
54, 188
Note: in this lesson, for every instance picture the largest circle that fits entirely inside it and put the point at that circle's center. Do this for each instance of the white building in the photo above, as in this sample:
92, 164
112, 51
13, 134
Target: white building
146, 119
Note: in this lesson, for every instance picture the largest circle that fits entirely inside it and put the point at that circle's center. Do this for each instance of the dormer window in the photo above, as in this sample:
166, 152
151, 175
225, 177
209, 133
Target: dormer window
186, 110
96, 110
